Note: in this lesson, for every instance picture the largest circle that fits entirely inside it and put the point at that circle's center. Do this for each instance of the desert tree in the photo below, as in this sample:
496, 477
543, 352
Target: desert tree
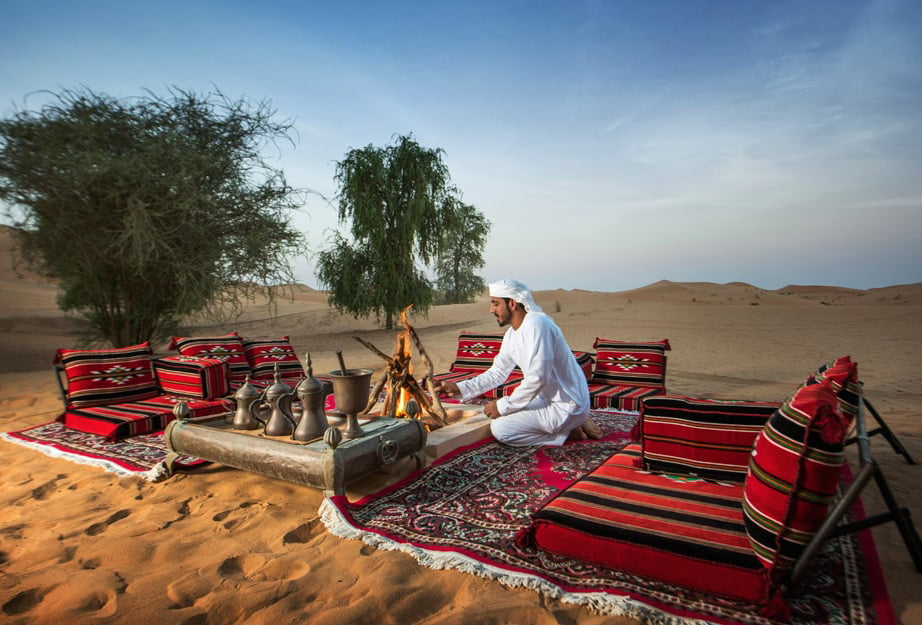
461, 254
149, 209
399, 202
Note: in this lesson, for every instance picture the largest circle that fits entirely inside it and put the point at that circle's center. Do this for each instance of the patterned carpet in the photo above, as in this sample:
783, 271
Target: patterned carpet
141, 456
464, 512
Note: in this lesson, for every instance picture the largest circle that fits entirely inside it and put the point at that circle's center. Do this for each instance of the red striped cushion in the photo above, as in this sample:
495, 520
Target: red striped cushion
205, 378
458, 376
227, 347
793, 475
142, 417
512, 382
585, 362
96, 377
620, 397
706, 438
476, 351
264, 354
842, 375
634, 364
687, 532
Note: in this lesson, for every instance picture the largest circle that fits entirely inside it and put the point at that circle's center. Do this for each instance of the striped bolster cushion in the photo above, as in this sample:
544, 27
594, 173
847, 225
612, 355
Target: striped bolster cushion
476, 351
706, 438
458, 376
188, 376
585, 362
842, 375
583, 359
264, 354
620, 397
793, 474
227, 347
634, 364
96, 377
141, 417
506, 388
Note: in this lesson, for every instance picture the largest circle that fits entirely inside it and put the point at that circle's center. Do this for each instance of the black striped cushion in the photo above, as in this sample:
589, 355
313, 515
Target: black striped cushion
96, 377
687, 532
264, 354
512, 382
227, 347
793, 474
205, 378
458, 376
706, 438
630, 363
620, 397
142, 417
585, 361
841, 375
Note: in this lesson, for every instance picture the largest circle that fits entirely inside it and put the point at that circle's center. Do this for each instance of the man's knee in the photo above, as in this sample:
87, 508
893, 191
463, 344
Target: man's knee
510, 432
501, 431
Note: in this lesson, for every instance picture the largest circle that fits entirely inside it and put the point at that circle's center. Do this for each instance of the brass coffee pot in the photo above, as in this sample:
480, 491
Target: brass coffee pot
281, 421
312, 394
247, 401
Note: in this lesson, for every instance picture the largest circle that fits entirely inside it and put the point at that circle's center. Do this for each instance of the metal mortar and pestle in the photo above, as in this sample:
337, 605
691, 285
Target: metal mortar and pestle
351, 387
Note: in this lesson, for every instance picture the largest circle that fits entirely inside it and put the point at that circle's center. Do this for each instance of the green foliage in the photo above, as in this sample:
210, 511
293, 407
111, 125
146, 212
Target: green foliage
149, 209
402, 209
461, 255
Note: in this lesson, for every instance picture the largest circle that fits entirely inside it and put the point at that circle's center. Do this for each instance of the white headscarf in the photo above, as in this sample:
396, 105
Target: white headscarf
516, 291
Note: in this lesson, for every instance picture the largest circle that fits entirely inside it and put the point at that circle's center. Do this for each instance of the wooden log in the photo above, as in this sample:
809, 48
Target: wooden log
397, 376
373, 398
374, 349
436, 410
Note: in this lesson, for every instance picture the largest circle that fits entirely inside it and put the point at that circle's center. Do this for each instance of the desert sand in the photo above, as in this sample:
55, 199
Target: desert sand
218, 545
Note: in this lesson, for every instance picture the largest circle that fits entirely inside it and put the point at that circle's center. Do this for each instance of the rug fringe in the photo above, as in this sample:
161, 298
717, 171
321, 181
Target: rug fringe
600, 602
151, 475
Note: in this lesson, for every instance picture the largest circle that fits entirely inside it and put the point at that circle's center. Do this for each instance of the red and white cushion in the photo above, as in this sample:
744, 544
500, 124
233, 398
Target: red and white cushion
190, 376
265, 354
630, 363
476, 351
227, 348
105, 376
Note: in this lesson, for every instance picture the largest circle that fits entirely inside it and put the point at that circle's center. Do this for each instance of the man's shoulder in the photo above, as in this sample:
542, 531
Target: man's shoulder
540, 320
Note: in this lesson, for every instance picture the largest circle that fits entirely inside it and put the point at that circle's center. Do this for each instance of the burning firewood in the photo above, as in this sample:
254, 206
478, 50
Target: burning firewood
398, 380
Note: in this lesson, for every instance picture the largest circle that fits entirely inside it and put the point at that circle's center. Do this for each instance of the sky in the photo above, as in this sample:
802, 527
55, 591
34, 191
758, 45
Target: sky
611, 144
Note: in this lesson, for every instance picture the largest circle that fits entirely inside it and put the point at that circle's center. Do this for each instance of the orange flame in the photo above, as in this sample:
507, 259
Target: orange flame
403, 349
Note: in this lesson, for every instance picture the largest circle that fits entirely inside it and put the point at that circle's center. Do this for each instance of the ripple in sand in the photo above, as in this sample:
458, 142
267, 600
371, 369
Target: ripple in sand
98, 528
303, 533
24, 601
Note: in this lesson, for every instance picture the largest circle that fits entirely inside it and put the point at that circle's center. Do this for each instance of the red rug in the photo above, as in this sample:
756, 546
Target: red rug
137, 455
140, 456
464, 511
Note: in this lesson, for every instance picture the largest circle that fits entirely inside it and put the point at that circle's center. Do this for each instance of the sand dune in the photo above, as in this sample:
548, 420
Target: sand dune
81, 546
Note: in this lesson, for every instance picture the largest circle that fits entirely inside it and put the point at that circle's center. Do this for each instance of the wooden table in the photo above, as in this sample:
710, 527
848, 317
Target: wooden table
313, 463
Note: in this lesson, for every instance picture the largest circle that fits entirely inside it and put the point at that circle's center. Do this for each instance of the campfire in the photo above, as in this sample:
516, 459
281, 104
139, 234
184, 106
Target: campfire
404, 396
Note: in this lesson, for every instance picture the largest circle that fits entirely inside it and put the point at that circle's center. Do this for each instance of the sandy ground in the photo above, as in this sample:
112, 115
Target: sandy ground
80, 545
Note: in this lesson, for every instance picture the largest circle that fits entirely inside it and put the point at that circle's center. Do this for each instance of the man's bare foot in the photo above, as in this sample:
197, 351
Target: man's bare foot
591, 429
577, 434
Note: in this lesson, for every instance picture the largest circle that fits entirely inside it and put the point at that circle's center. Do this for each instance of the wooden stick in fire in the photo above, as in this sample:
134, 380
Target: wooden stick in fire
437, 410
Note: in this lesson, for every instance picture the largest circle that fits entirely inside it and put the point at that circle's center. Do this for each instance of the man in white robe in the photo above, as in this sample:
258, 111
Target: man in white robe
552, 402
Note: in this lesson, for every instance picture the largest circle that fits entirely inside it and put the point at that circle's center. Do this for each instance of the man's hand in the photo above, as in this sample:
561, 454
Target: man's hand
448, 387
491, 410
